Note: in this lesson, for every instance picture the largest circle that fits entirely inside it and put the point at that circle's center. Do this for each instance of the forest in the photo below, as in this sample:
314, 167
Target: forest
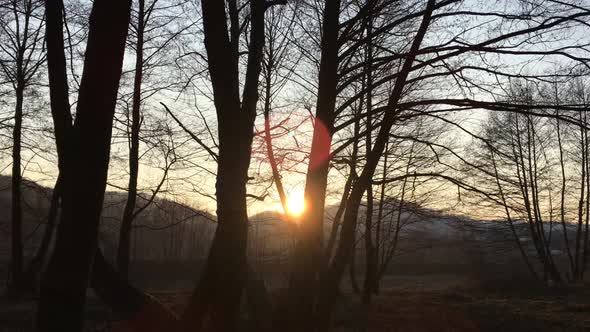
294, 165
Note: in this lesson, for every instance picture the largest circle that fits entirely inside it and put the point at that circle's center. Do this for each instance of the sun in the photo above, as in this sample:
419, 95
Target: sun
296, 202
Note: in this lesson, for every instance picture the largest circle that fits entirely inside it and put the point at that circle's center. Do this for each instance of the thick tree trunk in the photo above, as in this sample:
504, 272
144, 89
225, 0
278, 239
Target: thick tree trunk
309, 253
140, 311
219, 291
58, 80
63, 286
123, 251
220, 287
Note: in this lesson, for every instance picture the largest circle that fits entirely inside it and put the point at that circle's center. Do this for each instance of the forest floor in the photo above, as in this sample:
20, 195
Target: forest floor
410, 304
448, 303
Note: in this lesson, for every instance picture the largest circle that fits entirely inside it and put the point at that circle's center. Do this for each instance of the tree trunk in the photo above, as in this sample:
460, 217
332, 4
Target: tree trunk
309, 253
380, 209
563, 189
16, 229
370, 252
64, 283
352, 270
332, 277
370, 255
511, 222
219, 291
36, 264
346, 191
577, 251
123, 251
269, 67
220, 287
586, 245
140, 311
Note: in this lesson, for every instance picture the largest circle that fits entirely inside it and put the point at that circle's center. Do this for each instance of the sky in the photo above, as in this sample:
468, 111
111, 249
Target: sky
192, 181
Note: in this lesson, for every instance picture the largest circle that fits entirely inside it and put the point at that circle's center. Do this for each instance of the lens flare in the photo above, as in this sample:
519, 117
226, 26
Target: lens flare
296, 202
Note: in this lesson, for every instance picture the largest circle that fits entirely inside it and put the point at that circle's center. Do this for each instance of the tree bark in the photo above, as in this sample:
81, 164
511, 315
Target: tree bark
309, 253
140, 311
219, 291
64, 283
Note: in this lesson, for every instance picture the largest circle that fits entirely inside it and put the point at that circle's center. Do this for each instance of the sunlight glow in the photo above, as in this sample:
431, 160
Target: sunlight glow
296, 202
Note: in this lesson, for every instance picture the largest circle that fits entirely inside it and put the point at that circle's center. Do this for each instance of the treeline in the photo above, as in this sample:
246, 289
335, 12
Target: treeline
535, 165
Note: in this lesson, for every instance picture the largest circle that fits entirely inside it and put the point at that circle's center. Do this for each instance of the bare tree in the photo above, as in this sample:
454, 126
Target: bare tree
64, 283
219, 289
20, 59
406, 62
518, 149
579, 138
148, 21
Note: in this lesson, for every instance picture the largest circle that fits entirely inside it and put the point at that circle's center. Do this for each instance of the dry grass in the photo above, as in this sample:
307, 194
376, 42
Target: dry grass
442, 304
423, 304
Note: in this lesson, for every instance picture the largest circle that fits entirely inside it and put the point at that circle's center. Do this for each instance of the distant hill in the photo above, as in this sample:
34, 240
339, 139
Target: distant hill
429, 242
167, 232
164, 230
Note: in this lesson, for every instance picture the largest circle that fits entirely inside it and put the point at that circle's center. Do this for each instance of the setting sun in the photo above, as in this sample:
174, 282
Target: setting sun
296, 202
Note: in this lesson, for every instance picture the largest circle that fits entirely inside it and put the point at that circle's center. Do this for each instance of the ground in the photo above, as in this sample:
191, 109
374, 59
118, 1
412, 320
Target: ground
413, 304
446, 303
